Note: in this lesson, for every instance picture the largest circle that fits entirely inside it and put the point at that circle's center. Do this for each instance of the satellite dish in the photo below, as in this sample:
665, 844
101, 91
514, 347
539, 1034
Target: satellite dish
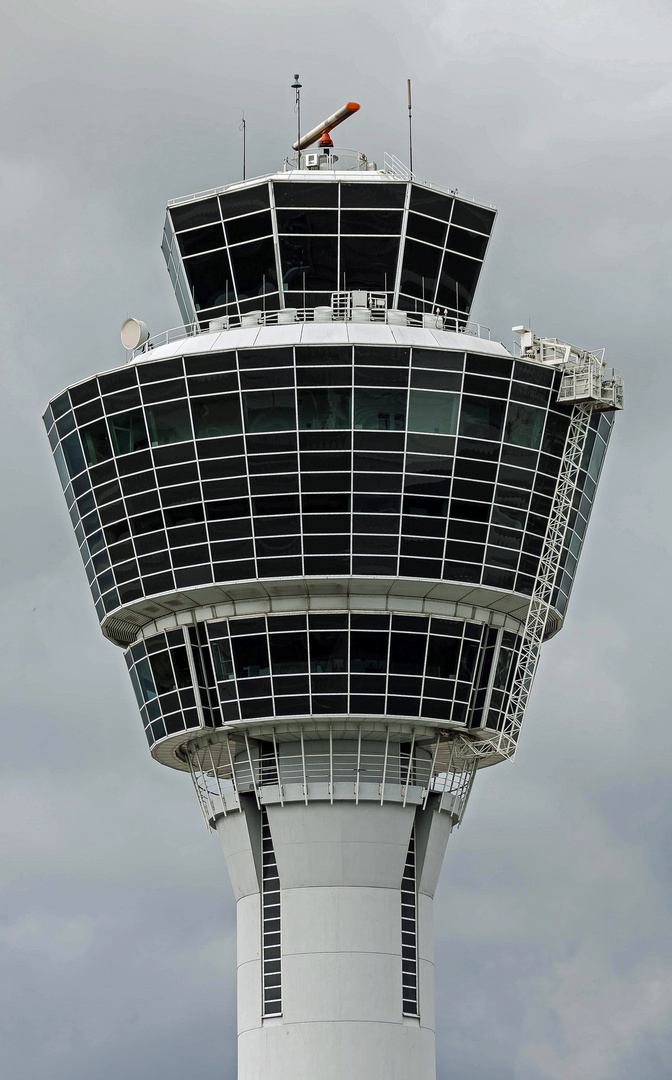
134, 334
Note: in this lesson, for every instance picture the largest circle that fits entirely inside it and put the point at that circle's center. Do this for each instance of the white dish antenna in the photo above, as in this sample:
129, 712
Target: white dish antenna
133, 334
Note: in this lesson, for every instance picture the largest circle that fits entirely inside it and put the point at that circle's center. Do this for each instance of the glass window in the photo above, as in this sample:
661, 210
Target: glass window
442, 657
420, 270
181, 666
146, 681
210, 279
216, 415
193, 214
315, 194
427, 229
244, 202
524, 425
482, 419
457, 282
74, 457
555, 434
169, 423
221, 657
254, 267
311, 259
96, 443
471, 216
380, 410
328, 651
324, 409
251, 656
432, 411
369, 262
407, 654
596, 458
162, 671
368, 652
128, 432
467, 243
269, 410
248, 228
205, 239
365, 195
431, 202
307, 221
289, 653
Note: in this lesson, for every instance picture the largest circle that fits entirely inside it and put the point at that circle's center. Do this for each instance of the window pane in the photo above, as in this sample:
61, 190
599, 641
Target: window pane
269, 410
482, 419
324, 409
128, 432
74, 458
221, 655
433, 412
289, 653
251, 656
368, 652
442, 657
254, 268
328, 651
163, 672
146, 680
407, 654
169, 423
216, 415
380, 410
96, 442
524, 425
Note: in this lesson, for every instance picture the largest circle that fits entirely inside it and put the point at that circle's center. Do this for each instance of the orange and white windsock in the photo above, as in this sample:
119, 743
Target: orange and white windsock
326, 126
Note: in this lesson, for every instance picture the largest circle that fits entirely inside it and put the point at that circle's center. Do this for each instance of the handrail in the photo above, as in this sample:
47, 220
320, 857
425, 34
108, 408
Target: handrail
390, 316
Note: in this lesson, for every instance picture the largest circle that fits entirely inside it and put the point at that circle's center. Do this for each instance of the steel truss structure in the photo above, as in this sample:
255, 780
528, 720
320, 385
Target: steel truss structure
375, 766
589, 386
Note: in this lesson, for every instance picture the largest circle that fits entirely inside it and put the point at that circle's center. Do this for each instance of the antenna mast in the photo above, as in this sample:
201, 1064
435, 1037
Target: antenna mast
243, 128
410, 129
296, 85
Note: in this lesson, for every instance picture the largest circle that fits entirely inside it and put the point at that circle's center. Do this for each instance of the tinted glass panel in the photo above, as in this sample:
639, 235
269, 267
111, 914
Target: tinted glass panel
380, 410
433, 412
269, 410
216, 415
481, 418
324, 409
128, 432
169, 423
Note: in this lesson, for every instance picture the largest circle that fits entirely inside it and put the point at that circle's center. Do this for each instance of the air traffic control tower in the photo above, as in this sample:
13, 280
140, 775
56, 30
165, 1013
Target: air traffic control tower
329, 522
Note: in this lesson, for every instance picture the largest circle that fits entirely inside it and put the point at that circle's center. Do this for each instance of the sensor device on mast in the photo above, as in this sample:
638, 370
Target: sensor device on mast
326, 126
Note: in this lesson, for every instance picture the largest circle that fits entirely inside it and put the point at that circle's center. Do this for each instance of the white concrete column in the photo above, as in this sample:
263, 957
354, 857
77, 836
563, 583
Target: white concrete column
340, 868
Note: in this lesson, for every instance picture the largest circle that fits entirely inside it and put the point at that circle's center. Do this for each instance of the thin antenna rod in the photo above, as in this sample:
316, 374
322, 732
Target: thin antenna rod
296, 85
410, 129
243, 128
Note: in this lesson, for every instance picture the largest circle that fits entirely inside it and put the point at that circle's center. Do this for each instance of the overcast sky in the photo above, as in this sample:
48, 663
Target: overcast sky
554, 951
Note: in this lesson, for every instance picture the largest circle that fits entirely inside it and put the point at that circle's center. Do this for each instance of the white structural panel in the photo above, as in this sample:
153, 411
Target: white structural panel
340, 867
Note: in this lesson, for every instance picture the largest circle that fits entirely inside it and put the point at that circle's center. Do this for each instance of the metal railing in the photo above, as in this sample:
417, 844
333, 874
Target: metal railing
290, 316
225, 766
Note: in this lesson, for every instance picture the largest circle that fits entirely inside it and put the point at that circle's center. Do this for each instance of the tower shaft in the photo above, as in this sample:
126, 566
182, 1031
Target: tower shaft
335, 938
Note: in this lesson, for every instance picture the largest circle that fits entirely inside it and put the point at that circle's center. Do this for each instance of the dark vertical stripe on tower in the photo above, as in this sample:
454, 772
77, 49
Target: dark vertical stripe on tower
409, 934
270, 923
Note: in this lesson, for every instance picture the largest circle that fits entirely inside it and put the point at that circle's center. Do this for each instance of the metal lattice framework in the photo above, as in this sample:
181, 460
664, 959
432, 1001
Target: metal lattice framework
542, 593
589, 386
317, 766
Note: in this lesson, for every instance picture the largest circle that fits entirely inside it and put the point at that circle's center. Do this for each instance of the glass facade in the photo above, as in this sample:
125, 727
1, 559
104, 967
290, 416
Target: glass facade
317, 461
283, 666
287, 243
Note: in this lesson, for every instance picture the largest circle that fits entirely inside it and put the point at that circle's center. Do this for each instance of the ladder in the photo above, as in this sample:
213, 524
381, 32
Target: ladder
587, 386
